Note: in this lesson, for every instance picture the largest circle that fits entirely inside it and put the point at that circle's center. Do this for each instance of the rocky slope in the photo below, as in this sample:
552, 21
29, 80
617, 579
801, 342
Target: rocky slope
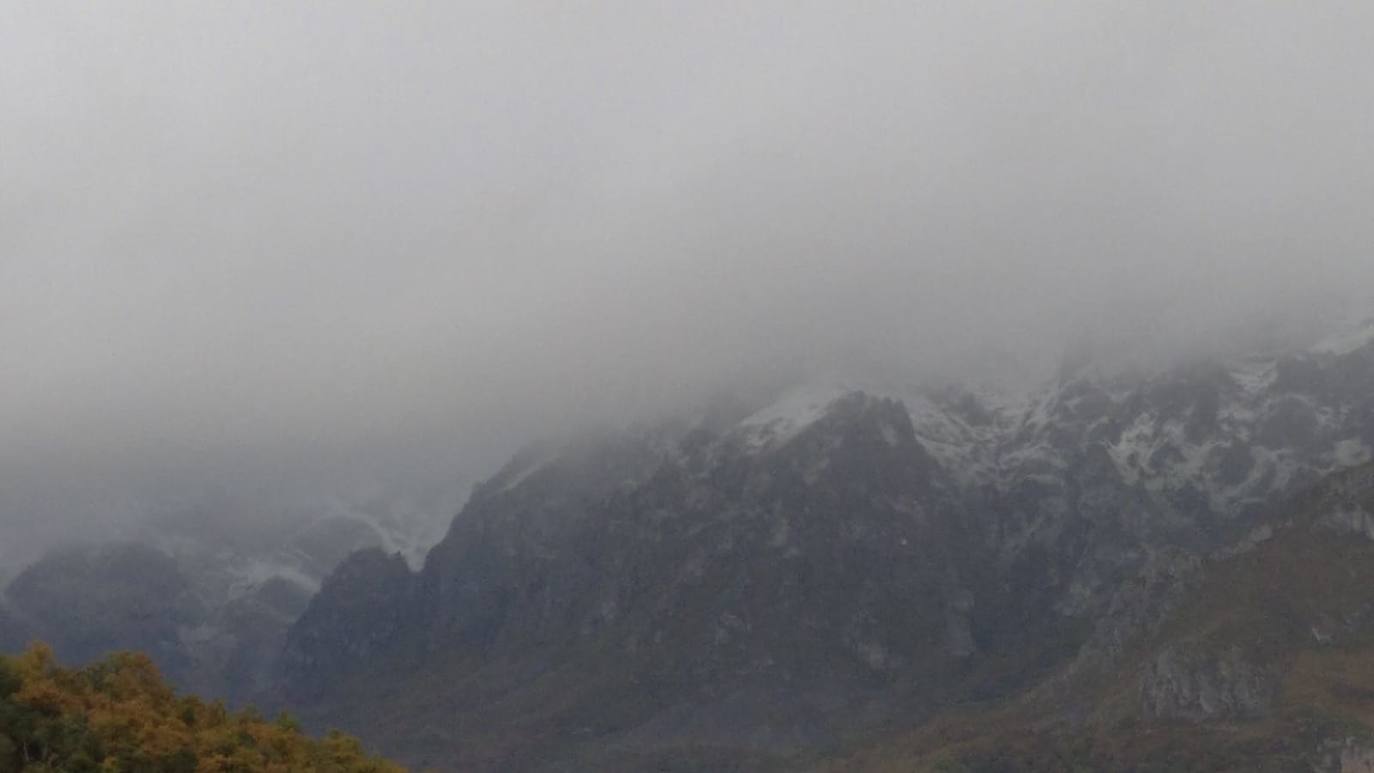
1266, 664
738, 589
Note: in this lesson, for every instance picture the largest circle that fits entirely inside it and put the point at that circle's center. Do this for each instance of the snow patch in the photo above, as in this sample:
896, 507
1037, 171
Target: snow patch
1254, 376
524, 475
1351, 452
793, 412
1347, 341
1354, 520
253, 573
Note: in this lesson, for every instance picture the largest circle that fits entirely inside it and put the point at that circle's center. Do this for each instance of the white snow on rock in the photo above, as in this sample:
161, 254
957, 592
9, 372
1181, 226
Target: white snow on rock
1348, 341
533, 466
1350, 452
795, 410
1253, 375
1171, 435
967, 448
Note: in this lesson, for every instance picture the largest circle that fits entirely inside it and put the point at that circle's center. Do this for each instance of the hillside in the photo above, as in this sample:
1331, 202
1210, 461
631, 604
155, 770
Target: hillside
1266, 665
118, 715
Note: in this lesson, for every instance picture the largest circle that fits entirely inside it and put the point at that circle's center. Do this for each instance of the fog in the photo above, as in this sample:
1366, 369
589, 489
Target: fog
289, 248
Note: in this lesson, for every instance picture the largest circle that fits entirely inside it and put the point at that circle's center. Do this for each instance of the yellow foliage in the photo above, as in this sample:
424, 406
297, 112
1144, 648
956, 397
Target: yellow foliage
118, 715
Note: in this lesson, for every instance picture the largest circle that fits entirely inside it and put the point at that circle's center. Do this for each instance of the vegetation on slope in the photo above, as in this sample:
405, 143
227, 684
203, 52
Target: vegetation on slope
118, 715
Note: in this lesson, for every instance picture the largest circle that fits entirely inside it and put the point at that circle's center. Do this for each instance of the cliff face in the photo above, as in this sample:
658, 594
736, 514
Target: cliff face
1242, 644
356, 615
775, 573
1265, 661
88, 601
14, 634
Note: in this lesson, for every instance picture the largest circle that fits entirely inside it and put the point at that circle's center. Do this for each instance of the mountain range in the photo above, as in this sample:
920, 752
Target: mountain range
1131, 569
784, 584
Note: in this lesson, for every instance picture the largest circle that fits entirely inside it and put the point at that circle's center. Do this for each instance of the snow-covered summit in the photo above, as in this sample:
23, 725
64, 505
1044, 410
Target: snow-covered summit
1224, 434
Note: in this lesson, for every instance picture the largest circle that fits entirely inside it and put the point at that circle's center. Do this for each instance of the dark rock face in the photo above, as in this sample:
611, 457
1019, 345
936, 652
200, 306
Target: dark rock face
14, 634
826, 556
828, 560
745, 572
87, 601
358, 612
236, 653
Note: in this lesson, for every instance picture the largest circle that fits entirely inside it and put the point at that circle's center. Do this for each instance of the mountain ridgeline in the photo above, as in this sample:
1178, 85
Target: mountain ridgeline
208, 594
892, 579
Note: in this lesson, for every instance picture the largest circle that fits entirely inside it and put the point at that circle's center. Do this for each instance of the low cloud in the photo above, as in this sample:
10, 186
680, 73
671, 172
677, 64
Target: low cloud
287, 248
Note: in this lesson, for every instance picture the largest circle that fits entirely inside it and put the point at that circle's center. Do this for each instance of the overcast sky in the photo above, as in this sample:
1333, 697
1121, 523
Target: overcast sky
263, 244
